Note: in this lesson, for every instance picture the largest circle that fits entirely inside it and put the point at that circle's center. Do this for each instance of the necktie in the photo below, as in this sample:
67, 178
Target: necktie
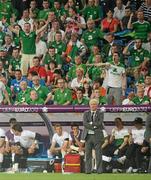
92, 116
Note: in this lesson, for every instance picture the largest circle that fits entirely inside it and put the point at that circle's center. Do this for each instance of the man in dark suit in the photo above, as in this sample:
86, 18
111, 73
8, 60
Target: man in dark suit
148, 137
93, 135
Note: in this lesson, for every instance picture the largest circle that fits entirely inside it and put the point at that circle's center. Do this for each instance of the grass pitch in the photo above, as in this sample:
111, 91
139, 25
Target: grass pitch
57, 176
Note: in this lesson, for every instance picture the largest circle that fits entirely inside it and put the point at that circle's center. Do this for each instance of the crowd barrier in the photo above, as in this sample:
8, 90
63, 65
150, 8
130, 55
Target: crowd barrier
71, 109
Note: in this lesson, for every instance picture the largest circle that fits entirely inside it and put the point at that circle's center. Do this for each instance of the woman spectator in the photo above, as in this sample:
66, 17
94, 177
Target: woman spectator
109, 24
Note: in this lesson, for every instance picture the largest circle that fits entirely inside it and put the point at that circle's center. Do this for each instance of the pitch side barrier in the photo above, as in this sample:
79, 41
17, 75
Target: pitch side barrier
72, 109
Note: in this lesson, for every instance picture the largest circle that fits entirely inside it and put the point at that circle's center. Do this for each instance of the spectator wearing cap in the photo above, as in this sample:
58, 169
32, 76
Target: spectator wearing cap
137, 149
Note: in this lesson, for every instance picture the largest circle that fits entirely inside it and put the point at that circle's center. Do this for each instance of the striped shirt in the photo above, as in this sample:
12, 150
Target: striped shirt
147, 11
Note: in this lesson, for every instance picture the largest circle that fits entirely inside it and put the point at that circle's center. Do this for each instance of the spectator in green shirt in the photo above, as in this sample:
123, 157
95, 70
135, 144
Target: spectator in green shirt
92, 35
28, 39
95, 72
33, 10
91, 11
43, 14
72, 71
58, 9
95, 51
58, 44
62, 95
42, 91
35, 99
140, 98
96, 95
140, 27
6, 10
52, 56
139, 57
80, 100
15, 62
24, 95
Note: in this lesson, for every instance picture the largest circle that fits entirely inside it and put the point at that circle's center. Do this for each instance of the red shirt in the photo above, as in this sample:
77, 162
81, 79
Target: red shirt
51, 75
109, 25
40, 70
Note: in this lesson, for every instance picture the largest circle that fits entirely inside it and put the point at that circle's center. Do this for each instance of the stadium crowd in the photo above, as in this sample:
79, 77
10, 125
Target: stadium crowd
68, 52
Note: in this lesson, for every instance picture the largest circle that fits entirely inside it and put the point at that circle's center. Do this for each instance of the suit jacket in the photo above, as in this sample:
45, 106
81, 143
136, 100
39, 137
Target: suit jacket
96, 126
148, 128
